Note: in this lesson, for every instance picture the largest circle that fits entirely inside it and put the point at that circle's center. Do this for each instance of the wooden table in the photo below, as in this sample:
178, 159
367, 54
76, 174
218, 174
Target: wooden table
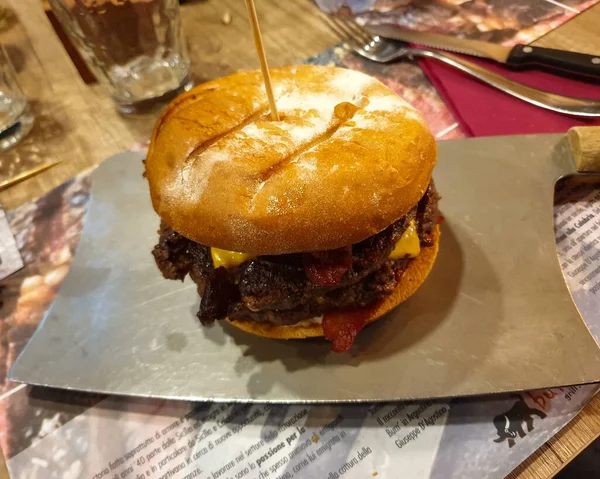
78, 124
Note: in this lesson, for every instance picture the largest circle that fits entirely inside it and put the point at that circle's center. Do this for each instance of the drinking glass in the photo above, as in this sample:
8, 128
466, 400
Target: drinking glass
135, 46
16, 118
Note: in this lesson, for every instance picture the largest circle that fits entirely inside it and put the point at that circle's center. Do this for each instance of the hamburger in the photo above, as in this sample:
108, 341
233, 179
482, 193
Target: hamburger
314, 225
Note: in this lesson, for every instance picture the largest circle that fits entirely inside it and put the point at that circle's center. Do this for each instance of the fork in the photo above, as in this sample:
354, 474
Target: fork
381, 50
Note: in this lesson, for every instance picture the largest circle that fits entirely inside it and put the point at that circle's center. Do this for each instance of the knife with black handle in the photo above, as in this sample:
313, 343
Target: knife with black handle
563, 61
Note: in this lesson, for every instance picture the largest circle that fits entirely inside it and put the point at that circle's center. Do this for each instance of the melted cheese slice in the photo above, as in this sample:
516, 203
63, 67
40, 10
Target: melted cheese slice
409, 245
228, 259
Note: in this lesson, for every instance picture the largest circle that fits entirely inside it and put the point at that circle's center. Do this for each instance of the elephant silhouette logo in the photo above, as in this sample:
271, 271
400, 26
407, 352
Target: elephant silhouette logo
511, 422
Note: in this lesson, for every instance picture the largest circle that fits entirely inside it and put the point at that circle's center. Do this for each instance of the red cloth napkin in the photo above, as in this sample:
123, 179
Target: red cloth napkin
482, 110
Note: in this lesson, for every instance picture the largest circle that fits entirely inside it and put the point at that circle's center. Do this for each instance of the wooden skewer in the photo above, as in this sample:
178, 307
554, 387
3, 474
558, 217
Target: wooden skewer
260, 50
27, 174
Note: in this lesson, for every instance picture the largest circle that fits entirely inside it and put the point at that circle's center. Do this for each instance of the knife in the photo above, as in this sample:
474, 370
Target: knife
517, 56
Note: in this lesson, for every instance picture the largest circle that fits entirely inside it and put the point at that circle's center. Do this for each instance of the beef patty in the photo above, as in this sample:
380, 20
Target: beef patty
286, 289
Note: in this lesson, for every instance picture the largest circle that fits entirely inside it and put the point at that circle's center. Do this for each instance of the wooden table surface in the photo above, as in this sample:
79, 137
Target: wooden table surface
78, 124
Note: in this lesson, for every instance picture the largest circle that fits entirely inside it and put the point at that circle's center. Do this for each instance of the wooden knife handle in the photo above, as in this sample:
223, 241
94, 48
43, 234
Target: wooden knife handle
585, 145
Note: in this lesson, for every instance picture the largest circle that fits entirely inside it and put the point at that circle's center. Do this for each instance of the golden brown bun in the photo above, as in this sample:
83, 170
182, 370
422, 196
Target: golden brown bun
412, 279
349, 158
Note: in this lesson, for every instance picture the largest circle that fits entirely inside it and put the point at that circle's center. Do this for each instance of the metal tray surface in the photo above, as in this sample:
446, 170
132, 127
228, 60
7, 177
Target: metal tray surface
494, 315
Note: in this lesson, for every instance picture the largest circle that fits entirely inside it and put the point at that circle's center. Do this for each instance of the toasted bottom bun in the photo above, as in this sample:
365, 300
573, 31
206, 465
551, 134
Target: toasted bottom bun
412, 279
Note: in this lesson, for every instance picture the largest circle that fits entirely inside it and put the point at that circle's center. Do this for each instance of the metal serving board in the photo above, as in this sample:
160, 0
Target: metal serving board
494, 315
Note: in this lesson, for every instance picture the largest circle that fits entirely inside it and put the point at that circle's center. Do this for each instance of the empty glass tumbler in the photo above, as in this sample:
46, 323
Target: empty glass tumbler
135, 46
16, 118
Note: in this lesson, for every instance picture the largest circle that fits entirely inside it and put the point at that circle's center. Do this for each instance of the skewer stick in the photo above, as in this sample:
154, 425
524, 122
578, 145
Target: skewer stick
260, 50
27, 174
